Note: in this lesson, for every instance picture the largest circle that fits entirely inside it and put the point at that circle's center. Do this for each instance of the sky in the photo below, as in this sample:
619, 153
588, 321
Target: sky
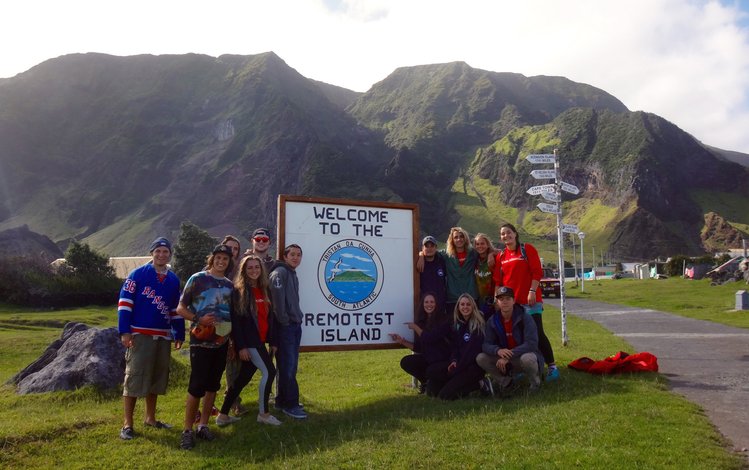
685, 60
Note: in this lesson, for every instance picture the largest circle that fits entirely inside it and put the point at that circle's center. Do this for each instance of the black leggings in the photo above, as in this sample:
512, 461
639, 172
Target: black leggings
452, 386
259, 359
416, 365
543, 341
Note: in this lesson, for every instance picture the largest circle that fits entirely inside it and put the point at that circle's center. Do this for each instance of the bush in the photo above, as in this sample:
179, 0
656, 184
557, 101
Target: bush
30, 281
193, 247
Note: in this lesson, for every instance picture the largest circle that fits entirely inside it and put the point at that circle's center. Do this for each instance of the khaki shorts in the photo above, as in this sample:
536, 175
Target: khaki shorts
146, 366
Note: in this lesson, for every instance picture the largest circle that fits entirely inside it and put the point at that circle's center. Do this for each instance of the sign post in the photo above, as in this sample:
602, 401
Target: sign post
582, 262
357, 282
553, 193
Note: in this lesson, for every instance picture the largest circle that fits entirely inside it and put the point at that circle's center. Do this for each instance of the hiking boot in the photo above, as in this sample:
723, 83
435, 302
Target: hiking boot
296, 412
552, 374
205, 433
127, 433
187, 440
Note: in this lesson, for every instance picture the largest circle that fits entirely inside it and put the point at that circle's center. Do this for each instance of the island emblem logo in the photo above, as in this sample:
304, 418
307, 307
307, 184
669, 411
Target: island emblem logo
350, 274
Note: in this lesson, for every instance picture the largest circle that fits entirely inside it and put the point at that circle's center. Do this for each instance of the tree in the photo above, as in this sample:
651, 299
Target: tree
86, 262
193, 246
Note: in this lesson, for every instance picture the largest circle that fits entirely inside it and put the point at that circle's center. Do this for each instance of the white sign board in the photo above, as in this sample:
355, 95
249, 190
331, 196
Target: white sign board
540, 158
543, 174
570, 228
570, 188
356, 279
549, 196
536, 190
549, 208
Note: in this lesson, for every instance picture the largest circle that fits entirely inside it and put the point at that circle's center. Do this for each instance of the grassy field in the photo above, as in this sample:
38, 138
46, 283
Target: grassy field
363, 414
693, 299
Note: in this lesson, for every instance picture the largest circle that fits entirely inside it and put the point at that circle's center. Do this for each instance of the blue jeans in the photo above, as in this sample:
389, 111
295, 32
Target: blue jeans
287, 360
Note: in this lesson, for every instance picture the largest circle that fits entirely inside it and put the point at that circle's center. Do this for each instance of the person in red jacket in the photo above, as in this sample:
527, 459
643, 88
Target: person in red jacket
518, 266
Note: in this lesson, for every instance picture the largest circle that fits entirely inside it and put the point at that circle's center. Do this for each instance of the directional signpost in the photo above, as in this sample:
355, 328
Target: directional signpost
549, 208
570, 188
543, 174
570, 228
541, 158
544, 188
549, 196
553, 193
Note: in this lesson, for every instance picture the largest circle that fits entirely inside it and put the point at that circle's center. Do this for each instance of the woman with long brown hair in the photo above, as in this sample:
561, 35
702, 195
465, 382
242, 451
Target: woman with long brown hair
252, 321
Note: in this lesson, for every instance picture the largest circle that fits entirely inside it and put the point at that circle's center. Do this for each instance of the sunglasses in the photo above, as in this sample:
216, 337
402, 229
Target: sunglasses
262, 239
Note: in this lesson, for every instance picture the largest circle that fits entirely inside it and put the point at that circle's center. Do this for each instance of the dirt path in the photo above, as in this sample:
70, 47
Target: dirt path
706, 362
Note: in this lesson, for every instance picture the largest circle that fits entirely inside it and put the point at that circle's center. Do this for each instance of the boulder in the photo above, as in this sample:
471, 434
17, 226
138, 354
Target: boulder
82, 356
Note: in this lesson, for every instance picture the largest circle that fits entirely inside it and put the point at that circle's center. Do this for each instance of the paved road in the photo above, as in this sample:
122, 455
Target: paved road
706, 362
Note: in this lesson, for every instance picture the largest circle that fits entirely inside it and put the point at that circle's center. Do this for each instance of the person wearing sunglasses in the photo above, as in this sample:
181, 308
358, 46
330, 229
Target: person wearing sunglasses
261, 248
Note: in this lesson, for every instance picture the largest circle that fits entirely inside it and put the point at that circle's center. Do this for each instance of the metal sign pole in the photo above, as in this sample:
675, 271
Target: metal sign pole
582, 260
560, 249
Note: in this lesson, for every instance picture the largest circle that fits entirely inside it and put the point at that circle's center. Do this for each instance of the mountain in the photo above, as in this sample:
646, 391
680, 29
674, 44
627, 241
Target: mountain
118, 150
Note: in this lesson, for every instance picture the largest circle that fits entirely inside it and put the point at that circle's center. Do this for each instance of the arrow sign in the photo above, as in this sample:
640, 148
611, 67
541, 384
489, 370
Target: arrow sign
540, 158
570, 228
570, 188
544, 188
543, 174
548, 208
549, 196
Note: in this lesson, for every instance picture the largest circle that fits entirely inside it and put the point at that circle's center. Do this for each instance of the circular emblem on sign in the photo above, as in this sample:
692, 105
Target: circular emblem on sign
350, 274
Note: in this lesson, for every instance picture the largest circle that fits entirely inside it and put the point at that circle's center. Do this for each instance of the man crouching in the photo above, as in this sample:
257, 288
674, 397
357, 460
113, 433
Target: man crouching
510, 344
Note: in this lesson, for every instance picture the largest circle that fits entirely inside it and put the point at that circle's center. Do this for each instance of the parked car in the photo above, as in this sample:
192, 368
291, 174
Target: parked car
549, 284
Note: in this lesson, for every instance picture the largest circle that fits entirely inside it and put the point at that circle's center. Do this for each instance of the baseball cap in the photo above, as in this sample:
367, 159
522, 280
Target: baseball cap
429, 239
260, 231
225, 249
505, 291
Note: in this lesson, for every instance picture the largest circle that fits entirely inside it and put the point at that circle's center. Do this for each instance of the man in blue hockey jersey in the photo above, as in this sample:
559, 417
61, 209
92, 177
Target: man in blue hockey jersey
148, 322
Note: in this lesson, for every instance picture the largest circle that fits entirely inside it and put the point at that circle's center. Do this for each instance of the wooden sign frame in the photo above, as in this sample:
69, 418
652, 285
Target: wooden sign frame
332, 216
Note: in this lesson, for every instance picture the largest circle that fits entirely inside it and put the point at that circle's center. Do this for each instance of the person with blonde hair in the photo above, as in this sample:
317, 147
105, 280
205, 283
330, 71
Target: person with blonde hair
252, 324
462, 374
460, 262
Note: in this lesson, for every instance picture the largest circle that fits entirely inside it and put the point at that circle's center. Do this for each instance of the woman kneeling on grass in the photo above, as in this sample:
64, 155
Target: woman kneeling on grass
462, 375
251, 318
431, 345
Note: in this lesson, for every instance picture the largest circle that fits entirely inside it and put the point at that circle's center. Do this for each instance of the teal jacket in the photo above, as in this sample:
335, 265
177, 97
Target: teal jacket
460, 279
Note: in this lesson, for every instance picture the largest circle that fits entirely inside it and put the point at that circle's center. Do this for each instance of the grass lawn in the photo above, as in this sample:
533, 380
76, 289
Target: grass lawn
693, 299
363, 414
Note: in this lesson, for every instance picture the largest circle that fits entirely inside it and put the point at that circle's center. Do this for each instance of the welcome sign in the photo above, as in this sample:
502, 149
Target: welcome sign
357, 278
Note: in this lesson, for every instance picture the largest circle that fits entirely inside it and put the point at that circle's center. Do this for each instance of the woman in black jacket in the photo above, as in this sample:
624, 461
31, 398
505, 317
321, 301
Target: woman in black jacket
430, 345
252, 322
462, 374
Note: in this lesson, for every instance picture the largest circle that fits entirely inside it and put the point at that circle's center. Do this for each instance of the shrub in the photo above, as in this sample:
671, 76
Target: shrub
193, 247
30, 281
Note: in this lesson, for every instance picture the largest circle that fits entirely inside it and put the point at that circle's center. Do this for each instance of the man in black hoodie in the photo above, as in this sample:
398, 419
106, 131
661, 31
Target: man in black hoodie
284, 289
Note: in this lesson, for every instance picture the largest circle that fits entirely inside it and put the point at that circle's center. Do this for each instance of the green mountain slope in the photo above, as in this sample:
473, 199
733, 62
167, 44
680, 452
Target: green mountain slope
118, 150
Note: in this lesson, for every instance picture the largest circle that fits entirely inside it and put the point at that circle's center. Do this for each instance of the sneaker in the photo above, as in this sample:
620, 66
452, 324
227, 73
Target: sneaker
422, 388
270, 419
487, 388
225, 422
205, 433
158, 425
552, 374
187, 440
296, 412
127, 433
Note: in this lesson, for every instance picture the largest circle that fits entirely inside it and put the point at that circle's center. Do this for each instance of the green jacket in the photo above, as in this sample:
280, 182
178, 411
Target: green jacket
460, 279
